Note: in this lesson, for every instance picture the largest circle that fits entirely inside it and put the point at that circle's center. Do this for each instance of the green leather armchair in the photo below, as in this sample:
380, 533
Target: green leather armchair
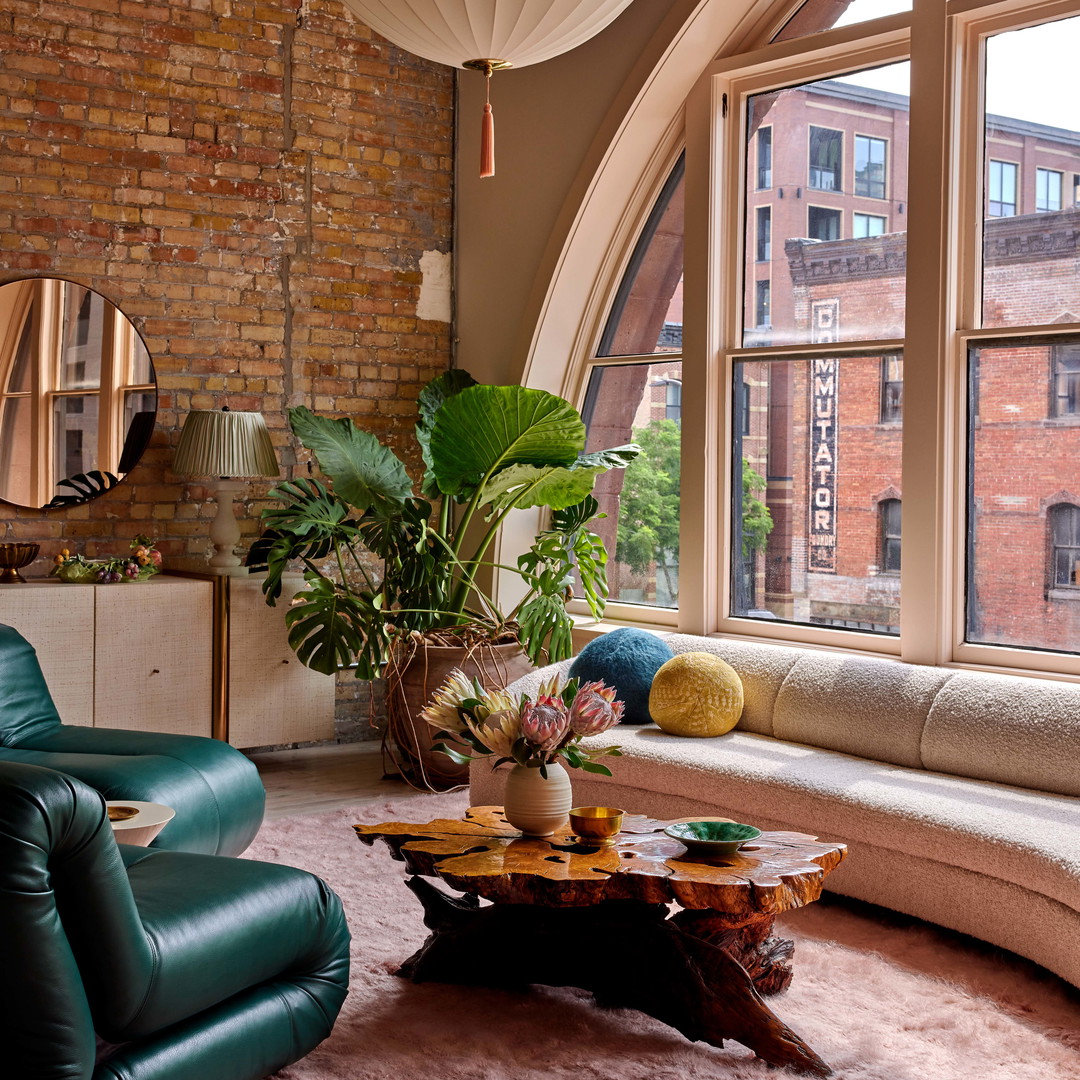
215, 791
124, 963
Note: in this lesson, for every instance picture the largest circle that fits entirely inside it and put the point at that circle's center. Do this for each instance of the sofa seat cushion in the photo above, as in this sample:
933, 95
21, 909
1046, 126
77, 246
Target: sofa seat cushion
1021, 836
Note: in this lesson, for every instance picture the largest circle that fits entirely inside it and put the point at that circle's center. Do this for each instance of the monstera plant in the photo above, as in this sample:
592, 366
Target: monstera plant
389, 568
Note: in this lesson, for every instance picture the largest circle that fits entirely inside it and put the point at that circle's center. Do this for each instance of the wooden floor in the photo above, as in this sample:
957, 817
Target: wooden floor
318, 778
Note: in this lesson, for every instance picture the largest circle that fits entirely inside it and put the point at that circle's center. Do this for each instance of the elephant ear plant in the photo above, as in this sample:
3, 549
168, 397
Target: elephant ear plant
487, 450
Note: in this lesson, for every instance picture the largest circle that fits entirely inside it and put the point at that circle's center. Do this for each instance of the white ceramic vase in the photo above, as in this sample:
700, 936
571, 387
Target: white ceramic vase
534, 804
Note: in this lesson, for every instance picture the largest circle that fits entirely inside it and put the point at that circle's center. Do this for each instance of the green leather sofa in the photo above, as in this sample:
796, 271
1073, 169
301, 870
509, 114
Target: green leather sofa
215, 791
126, 963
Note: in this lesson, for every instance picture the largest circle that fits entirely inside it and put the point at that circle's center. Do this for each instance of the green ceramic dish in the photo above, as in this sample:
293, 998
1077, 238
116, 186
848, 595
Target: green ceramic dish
712, 837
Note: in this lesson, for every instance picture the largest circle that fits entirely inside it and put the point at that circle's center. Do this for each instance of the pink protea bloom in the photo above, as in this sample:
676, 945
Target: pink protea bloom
545, 722
595, 709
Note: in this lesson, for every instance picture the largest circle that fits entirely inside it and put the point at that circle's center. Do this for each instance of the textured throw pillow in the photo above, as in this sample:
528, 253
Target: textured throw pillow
696, 694
626, 659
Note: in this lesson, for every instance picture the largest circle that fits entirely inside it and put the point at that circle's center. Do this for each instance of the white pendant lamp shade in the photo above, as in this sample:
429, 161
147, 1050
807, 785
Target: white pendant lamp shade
516, 32
225, 444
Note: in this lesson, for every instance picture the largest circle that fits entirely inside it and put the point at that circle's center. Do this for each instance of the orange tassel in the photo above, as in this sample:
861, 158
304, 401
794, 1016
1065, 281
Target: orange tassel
487, 143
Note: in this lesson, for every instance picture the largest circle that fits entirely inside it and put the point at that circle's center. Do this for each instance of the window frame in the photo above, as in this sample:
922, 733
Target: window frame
1053, 514
835, 214
1014, 166
837, 171
1040, 172
856, 235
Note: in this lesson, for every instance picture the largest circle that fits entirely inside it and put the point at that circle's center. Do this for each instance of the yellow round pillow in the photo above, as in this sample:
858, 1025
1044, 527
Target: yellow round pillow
696, 694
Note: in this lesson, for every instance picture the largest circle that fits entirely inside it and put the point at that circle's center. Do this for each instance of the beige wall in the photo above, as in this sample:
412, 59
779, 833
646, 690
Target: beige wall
553, 122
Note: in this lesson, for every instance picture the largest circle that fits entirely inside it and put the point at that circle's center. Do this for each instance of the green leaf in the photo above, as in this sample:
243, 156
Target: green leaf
430, 401
454, 755
544, 621
591, 766
484, 428
330, 628
364, 472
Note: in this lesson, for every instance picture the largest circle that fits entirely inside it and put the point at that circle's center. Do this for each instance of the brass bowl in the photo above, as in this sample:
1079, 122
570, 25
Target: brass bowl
13, 557
596, 823
121, 813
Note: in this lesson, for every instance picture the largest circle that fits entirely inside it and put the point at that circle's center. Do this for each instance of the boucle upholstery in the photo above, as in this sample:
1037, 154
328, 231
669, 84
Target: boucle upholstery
982, 836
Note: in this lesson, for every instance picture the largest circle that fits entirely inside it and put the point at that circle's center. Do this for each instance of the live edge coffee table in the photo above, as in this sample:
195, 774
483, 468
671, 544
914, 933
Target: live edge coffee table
597, 917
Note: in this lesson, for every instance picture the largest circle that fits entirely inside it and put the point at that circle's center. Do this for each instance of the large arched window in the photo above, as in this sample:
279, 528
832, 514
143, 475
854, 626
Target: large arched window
859, 314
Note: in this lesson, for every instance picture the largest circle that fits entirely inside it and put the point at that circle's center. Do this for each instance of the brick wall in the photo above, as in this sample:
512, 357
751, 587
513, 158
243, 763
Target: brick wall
254, 186
253, 194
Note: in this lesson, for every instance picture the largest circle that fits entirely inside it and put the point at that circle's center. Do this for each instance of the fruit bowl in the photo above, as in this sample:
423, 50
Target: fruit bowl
13, 557
712, 837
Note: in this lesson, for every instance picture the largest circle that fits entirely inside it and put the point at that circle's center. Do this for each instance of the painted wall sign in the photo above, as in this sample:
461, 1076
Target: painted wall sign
824, 379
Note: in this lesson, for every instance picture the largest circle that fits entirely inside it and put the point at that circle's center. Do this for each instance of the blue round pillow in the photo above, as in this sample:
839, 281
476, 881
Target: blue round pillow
626, 659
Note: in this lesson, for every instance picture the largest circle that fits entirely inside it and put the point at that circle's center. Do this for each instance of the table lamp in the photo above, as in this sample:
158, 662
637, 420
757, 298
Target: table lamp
225, 445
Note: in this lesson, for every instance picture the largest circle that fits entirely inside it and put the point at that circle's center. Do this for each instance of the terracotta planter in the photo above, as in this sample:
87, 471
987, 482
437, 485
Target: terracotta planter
410, 685
535, 804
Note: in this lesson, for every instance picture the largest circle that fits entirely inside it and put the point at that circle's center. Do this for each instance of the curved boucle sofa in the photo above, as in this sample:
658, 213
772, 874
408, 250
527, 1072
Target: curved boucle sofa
957, 792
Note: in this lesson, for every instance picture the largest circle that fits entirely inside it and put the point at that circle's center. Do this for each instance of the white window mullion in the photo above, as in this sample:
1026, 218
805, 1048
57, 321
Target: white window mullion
929, 441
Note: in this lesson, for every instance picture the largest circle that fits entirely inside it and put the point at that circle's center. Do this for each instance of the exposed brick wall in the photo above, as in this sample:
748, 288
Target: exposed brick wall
254, 187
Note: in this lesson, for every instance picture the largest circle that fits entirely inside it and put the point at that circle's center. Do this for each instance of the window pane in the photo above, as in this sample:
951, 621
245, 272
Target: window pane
75, 436
16, 449
817, 15
815, 466
825, 286
1032, 141
83, 333
639, 403
647, 314
1023, 488
764, 157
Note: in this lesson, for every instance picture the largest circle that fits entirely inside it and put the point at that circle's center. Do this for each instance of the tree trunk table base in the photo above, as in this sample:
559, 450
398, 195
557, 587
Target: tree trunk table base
702, 970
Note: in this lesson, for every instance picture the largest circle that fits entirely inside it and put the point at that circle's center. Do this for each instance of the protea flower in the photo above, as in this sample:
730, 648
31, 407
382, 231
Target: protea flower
595, 709
444, 709
498, 731
545, 722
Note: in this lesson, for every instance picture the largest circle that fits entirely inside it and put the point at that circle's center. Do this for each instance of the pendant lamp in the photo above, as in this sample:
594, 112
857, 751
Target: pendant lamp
487, 35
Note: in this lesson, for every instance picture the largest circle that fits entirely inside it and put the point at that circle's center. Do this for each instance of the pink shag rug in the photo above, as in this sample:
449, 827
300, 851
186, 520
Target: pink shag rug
878, 996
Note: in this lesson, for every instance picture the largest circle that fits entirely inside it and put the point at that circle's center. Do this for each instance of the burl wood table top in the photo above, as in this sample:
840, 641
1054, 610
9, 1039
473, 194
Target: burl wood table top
483, 855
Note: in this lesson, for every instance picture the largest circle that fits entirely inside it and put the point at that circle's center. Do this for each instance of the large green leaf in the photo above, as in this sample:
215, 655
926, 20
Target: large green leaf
330, 628
485, 428
430, 401
364, 472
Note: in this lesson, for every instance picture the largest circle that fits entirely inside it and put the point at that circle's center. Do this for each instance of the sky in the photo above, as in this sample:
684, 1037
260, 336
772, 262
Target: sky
1028, 71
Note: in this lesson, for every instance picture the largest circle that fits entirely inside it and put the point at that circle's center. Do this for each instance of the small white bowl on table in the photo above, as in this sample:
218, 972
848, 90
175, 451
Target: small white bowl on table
140, 827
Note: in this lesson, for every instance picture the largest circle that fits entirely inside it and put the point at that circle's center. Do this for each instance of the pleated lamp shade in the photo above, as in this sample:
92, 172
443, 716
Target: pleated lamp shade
223, 443
510, 32
487, 35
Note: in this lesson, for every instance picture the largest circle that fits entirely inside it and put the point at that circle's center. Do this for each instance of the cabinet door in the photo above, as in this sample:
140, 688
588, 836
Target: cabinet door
273, 698
58, 620
154, 656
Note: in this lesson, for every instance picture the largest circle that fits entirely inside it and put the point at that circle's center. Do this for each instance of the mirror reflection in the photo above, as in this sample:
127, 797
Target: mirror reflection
77, 394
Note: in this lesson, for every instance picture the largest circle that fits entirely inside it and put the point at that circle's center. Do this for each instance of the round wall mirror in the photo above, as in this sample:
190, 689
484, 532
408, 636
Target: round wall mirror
78, 396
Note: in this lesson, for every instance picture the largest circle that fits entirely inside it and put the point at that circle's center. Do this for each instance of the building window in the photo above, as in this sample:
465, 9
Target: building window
1047, 189
673, 400
822, 223
1066, 397
764, 157
744, 408
1001, 189
1065, 540
826, 159
892, 389
763, 245
869, 167
863, 225
762, 304
889, 515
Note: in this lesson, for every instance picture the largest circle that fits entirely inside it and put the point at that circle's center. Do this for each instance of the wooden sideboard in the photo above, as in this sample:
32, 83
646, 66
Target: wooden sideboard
188, 653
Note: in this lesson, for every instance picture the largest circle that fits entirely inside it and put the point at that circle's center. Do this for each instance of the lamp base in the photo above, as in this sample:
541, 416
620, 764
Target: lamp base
225, 529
